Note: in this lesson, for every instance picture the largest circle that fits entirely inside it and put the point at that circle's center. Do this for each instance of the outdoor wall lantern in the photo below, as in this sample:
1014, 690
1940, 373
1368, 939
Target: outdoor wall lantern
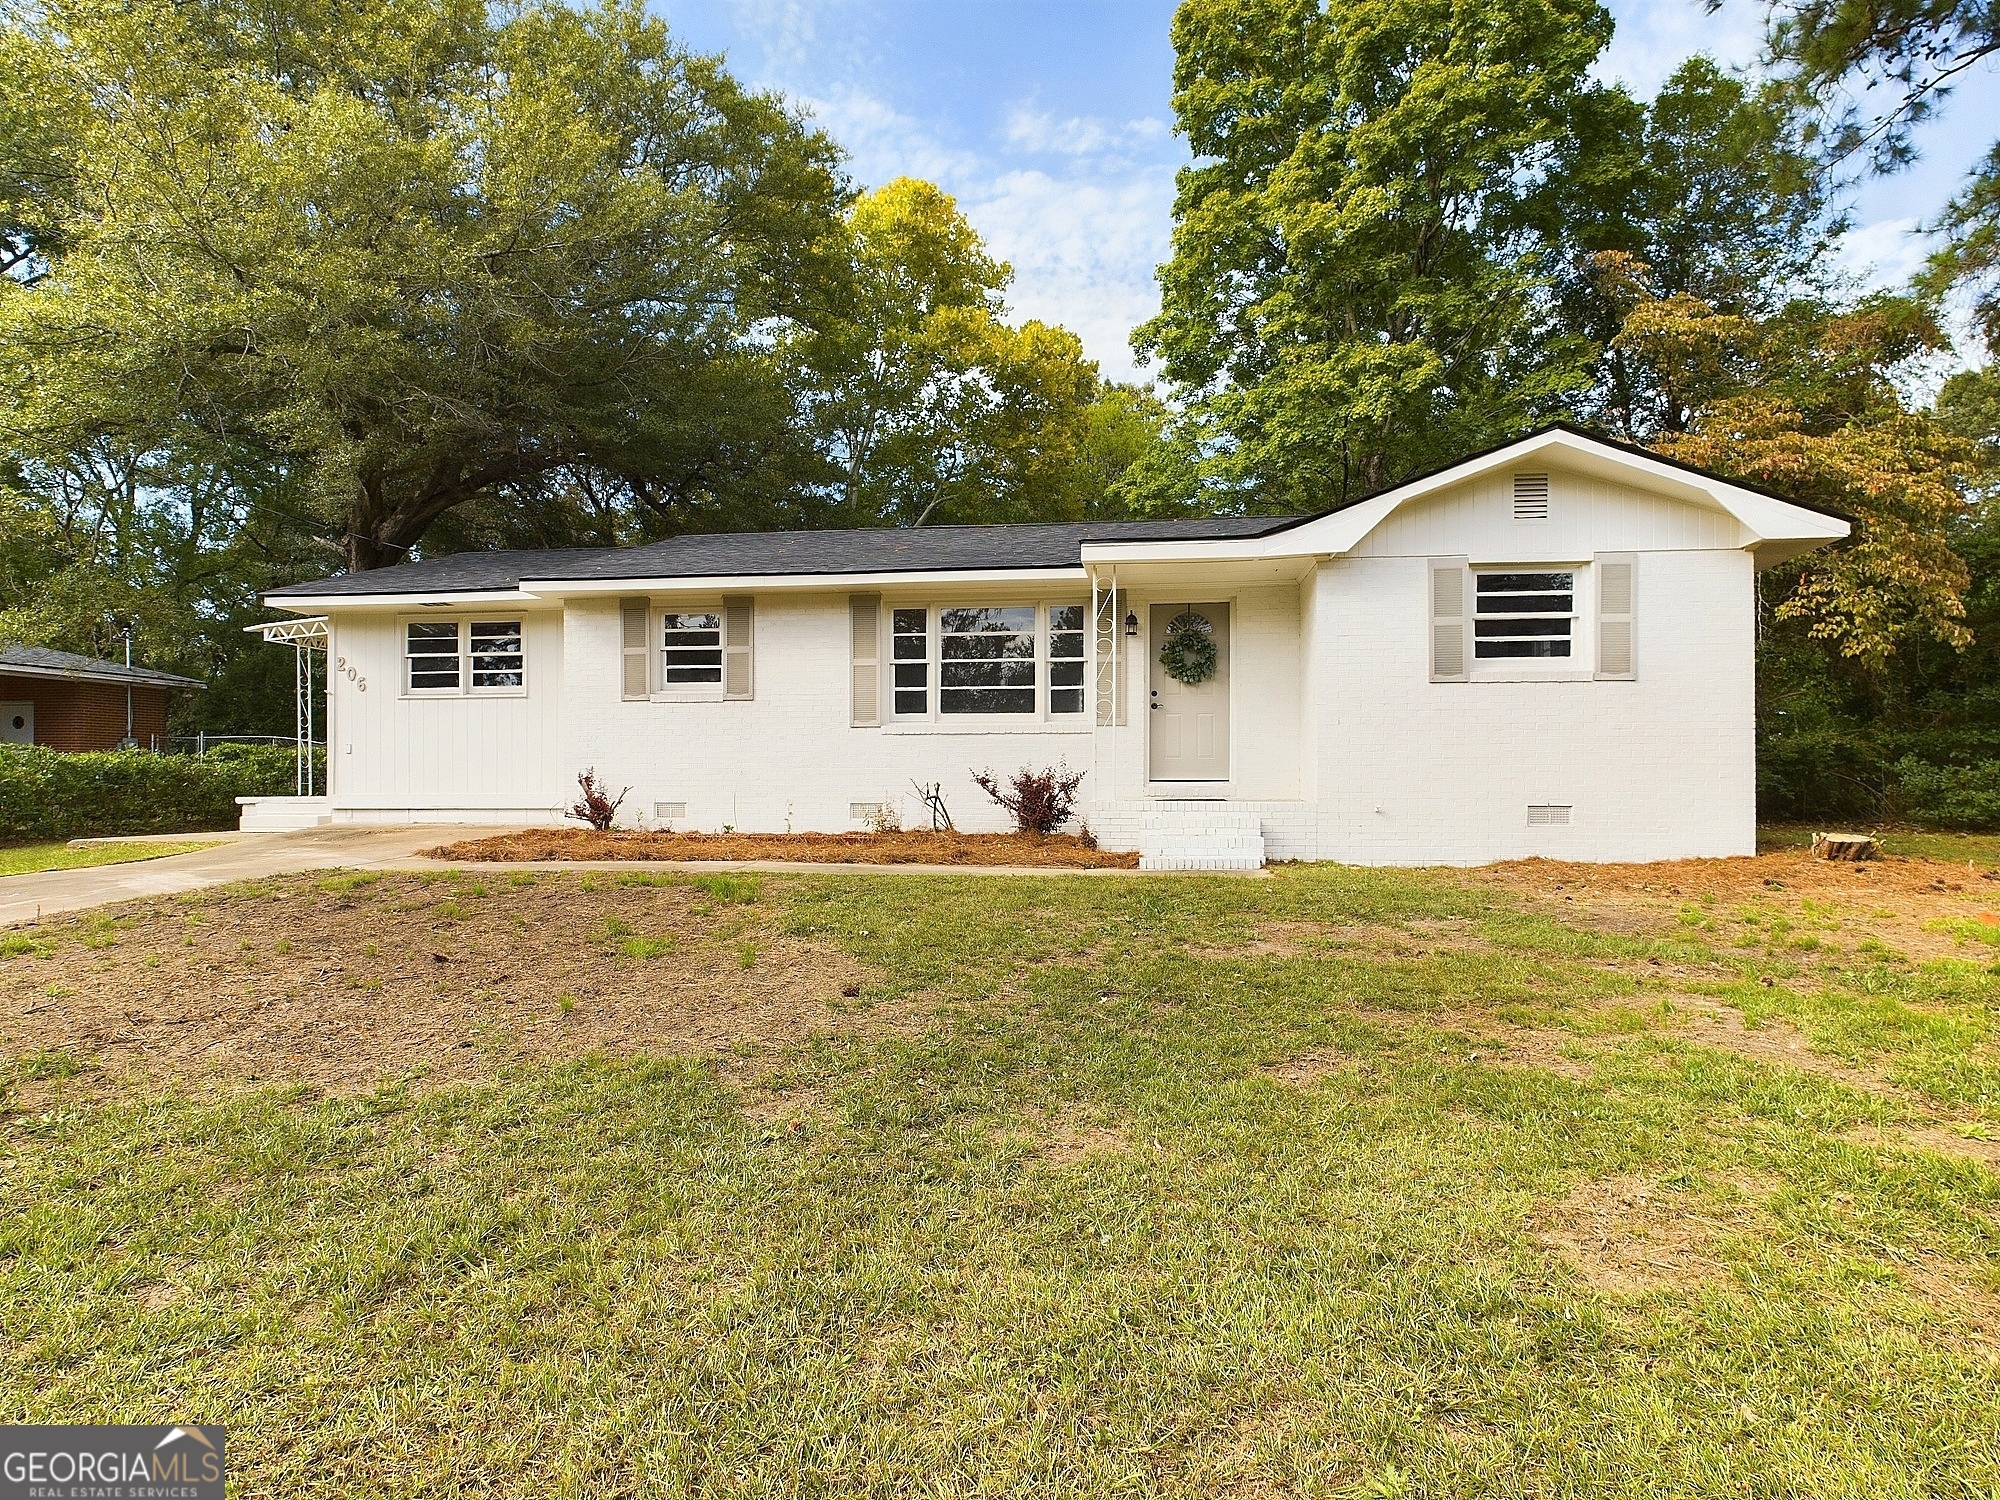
1132, 623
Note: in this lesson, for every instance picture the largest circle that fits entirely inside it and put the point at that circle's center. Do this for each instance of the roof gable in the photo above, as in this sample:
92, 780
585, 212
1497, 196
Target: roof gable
1768, 521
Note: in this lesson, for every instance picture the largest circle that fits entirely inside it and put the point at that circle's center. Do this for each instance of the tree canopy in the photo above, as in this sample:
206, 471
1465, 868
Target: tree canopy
415, 253
1910, 55
1358, 267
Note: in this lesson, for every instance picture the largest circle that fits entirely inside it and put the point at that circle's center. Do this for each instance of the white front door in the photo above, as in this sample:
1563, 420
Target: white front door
1188, 723
17, 723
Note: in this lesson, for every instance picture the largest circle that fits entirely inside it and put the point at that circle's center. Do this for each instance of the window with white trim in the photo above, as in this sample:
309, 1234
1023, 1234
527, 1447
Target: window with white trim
690, 649
497, 658
1017, 661
431, 650
443, 658
1066, 657
986, 659
1519, 614
910, 660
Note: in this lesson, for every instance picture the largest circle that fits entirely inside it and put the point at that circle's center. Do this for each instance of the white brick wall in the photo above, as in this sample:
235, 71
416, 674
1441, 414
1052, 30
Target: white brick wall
1419, 772
787, 758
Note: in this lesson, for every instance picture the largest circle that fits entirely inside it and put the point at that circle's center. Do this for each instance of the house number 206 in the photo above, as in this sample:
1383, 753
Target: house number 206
341, 664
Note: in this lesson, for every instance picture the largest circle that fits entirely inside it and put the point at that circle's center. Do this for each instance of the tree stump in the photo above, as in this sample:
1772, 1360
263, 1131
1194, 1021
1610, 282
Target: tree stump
1850, 846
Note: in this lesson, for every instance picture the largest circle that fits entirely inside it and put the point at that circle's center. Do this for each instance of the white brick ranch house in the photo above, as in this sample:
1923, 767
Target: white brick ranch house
1544, 649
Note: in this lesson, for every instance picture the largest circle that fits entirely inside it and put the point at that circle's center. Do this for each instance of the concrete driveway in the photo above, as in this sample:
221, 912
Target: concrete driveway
27, 898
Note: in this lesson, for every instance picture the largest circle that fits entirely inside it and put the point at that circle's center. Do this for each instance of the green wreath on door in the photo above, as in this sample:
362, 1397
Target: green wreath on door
1188, 653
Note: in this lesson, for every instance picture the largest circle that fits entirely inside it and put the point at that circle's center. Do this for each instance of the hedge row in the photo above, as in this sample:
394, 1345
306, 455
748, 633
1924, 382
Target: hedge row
48, 795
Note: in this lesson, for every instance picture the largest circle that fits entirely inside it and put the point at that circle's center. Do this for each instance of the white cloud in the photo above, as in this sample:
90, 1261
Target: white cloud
1886, 253
1080, 135
1083, 236
883, 143
787, 32
1653, 37
1083, 248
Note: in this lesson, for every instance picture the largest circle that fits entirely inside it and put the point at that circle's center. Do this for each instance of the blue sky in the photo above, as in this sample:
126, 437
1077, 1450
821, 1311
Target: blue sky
1050, 121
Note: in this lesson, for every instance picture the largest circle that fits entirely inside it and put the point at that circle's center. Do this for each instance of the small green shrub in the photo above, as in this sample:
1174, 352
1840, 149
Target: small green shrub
46, 794
1950, 796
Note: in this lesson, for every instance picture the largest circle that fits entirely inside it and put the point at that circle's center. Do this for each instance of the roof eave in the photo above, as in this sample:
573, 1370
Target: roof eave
137, 678
587, 588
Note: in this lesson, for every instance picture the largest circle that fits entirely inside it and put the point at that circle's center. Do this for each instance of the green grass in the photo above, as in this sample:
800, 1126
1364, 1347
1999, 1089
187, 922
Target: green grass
29, 859
1912, 843
604, 1277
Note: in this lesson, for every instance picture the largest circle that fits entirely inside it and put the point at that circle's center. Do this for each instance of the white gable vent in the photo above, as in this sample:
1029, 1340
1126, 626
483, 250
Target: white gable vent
1531, 497
1547, 814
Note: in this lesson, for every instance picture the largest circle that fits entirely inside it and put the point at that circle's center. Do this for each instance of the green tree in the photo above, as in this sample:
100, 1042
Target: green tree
1358, 281
1806, 403
929, 405
409, 255
1708, 192
1913, 52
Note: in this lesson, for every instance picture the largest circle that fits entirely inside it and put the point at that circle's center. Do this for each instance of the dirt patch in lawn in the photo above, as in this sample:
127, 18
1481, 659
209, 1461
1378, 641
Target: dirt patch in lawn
1921, 908
1942, 1139
345, 982
1630, 1236
1057, 851
1066, 1138
1417, 938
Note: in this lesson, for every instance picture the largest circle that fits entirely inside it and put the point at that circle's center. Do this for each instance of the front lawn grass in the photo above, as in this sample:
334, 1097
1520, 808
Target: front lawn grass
29, 859
1917, 843
1339, 1183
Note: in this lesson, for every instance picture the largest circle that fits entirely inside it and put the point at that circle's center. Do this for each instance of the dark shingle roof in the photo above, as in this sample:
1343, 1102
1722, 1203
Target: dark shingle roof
926, 549
39, 661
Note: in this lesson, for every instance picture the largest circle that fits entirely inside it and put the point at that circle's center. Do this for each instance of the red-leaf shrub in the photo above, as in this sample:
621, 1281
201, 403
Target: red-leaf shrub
596, 806
1040, 801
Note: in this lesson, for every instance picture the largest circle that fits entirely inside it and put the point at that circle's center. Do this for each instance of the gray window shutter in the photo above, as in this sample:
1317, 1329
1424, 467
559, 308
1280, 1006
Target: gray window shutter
865, 616
1617, 580
737, 677
1451, 625
638, 676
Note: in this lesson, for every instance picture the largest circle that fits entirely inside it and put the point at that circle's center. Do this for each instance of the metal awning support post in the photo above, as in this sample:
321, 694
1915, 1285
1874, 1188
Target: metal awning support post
304, 636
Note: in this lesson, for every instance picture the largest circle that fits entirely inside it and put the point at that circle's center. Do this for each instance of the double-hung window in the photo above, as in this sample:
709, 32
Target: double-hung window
1017, 661
1523, 615
910, 660
1066, 658
443, 658
690, 650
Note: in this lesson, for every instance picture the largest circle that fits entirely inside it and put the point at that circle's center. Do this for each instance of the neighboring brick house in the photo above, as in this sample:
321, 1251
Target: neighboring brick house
68, 702
1545, 649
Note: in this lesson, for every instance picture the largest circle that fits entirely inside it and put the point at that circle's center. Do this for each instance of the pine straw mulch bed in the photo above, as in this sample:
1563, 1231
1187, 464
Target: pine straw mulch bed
915, 847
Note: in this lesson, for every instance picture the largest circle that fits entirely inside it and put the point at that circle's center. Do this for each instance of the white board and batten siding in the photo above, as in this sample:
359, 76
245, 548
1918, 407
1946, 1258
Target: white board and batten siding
398, 757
